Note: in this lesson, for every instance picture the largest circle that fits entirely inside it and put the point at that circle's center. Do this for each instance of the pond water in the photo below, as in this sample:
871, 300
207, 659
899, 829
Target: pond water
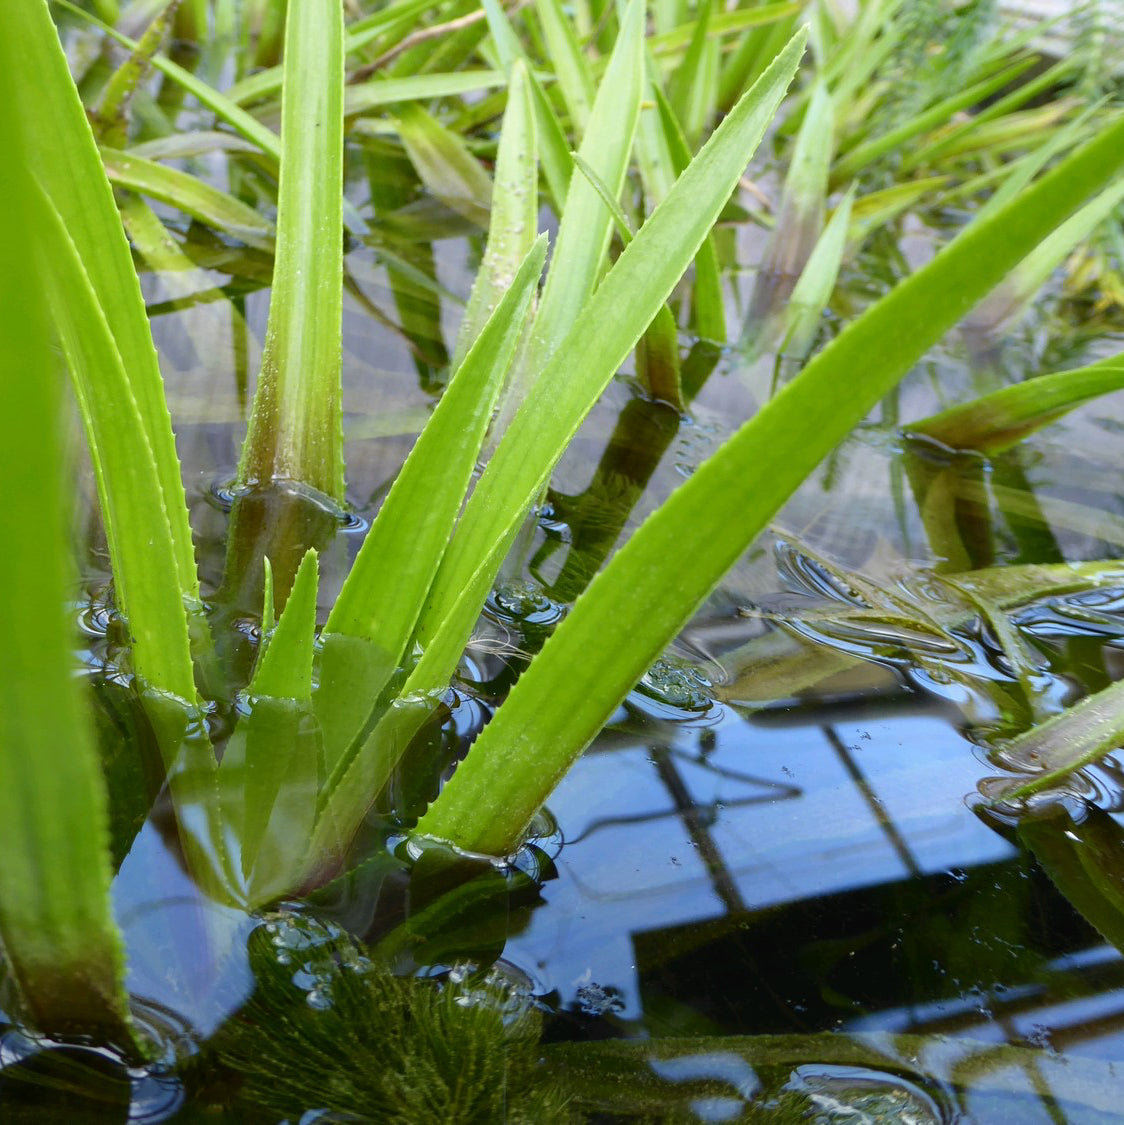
774, 881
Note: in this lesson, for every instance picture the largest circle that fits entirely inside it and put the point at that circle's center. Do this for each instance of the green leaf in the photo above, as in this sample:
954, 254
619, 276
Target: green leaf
1076, 737
220, 105
141, 548
513, 224
878, 208
657, 351
400, 14
625, 304
999, 420
285, 667
57, 927
1085, 860
1020, 286
570, 65
271, 767
445, 165
1023, 92
554, 149
269, 779
799, 220
734, 22
869, 152
267, 606
65, 161
374, 616
208, 204
616, 211
377, 92
749, 58
810, 295
577, 679
111, 115
295, 430
710, 314
584, 231
692, 89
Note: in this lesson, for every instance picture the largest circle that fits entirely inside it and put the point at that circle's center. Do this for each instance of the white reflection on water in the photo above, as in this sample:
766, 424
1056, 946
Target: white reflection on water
778, 813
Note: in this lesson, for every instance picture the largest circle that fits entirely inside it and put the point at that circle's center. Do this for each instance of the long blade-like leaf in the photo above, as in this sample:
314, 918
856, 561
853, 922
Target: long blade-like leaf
140, 546
570, 65
512, 226
295, 428
573, 685
367, 631
55, 919
554, 151
583, 234
208, 204
622, 307
65, 161
1076, 737
1003, 418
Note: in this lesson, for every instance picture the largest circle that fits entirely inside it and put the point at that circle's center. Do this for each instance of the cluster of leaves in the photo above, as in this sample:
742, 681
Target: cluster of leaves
322, 726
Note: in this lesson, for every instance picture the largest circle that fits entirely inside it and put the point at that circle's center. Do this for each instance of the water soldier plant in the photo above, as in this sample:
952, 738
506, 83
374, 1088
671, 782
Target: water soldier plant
321, 723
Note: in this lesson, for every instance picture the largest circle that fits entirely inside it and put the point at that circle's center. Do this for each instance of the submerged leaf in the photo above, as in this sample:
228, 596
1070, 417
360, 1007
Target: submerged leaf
330, 1029
999, 420
874, 1076
1076, 737
1085, 859
444, 163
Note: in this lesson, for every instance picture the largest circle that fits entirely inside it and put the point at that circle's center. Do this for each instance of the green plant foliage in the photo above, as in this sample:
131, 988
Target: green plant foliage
216, 208
375, 614
813, 289
1053, 750
463, 1050
513, 223
269, 775
55, 921
111, 116
314, 732
1085, 859
66, 164
296, 426
667, 1078
727, 502
223, 108
800, 217
998, 421
583, 234
444, 163
99, 316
